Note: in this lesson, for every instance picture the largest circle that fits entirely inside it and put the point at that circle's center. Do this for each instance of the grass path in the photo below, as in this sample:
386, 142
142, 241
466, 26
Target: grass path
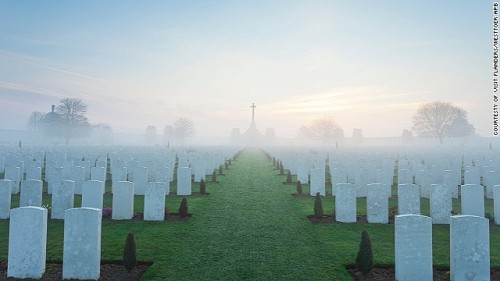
247, 230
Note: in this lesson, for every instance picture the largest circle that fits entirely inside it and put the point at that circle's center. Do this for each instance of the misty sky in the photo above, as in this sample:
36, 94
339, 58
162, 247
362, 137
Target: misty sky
369, 64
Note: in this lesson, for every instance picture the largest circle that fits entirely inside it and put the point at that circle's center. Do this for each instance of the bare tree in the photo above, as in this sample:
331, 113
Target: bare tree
183, 128
34, 120
440, 119
73, 122
304, 133
324, 128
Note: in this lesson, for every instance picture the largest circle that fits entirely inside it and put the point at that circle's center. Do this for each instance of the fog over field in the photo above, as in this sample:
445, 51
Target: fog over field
366, 67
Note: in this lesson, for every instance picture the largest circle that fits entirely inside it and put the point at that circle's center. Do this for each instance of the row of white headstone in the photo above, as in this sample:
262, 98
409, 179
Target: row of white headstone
28, 240
472, 202
469, 248
92, 197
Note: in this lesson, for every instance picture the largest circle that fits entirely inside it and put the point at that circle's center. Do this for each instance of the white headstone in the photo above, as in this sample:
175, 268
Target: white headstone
62, 198
31, 193
13, 174
408, 199
184, 181
317, 182
27, 242
53, 177
471, 177
469, 248
472, 199
448, 179
34, 173
123, 200
377, 203
163, 175
413, 247
5, 198
199, 168
92, 194
491, 178
496, 203
141, 177
405, 176
82, 243
440, 203
425, 185
98, 173
303, 172
77, 174
154, 202
345, 203
119, 174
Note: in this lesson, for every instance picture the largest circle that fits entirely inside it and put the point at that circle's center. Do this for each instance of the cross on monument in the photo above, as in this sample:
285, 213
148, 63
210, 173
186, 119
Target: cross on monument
253, 113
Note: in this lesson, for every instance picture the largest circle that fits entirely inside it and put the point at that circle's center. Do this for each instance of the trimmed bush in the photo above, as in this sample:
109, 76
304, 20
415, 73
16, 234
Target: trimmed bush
183, 208
318, 207
282, 170
203, 187
289, 178
130, 252
299, 187
221, 170
214, 177
106, 213
364, 258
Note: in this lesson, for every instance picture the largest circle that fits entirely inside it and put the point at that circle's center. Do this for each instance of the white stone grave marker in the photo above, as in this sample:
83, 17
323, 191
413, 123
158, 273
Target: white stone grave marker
123, 201
62, 198
469, 248
345, 203
82, 243
154, 202
27, 242
413, 247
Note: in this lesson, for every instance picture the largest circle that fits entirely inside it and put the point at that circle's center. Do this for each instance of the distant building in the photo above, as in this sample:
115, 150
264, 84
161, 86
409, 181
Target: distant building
150, 137
357, 136
50, 122
252, 135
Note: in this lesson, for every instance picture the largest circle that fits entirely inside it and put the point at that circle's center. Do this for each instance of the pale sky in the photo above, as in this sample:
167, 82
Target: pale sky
369, 64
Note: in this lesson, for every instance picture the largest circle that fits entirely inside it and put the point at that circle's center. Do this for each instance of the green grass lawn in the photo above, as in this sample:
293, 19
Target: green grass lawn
249, 227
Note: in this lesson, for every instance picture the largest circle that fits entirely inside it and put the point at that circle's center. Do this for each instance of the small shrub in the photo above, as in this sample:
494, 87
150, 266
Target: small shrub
299, 187
203, 187
289, 178
229, 162
364, 258
226, 166
220, 170
130, 252
49, 209
106, 213
282, 170
167, 213
214, 177
393, 212
489, 216
183, 208
274, 161
318, 207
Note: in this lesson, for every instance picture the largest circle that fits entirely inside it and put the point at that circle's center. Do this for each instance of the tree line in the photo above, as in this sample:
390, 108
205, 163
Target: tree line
67, 120
433, 119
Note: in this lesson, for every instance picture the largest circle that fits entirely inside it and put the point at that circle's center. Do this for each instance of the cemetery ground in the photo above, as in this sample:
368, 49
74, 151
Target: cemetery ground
248, 228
